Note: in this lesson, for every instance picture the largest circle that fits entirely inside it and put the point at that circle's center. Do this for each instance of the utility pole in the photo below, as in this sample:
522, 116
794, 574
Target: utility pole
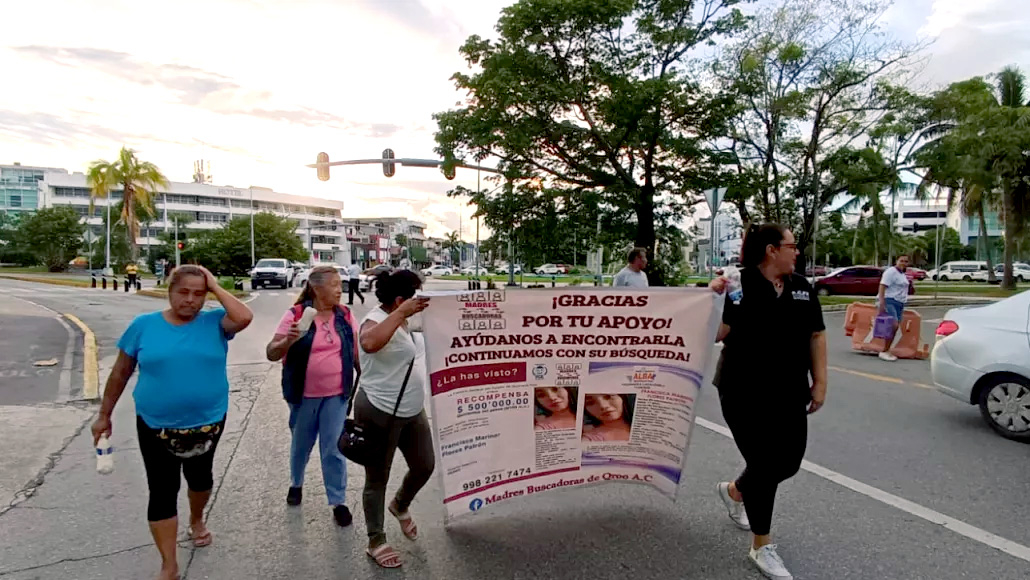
107, 251
177, 260
253, 259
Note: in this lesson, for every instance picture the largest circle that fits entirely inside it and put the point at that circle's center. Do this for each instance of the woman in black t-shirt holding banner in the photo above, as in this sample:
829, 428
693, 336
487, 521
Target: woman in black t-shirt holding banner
774, 340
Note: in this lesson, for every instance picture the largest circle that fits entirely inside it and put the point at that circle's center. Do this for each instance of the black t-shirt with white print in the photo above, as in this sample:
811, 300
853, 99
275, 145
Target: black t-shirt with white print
768, 349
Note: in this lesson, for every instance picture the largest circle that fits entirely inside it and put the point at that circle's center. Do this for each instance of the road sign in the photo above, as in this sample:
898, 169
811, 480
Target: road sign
714, 197
389, 169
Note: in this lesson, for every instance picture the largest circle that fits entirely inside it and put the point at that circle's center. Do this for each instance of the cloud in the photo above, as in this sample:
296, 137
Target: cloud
196, 87
50, 129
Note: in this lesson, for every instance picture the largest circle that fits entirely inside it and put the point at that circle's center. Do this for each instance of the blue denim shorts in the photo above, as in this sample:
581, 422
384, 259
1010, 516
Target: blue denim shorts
894, 308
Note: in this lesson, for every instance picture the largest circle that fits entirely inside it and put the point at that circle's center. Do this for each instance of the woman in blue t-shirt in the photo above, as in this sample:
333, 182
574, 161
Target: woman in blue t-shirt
181, 395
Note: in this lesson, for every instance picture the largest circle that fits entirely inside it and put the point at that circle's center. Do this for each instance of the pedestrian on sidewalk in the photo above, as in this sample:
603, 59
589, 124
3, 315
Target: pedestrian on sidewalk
392, 398
354, 284
892, 297
132, 271
182, 397
633, 276
319, 366
773, 339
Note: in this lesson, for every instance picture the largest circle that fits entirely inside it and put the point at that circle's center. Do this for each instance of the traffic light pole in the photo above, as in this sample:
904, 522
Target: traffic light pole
176, 242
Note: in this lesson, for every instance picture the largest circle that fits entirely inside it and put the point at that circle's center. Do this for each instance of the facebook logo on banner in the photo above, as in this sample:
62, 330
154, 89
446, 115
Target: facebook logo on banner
476, 504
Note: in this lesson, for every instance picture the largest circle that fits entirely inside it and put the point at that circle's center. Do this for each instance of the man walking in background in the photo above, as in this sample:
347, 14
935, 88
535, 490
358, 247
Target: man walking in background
354, 284
892, 298
633, 276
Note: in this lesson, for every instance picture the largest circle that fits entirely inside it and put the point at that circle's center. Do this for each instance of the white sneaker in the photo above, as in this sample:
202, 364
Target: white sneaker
769, 562
735, 508
888, 357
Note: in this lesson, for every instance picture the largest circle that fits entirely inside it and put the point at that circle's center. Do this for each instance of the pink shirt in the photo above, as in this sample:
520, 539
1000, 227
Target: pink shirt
324, 377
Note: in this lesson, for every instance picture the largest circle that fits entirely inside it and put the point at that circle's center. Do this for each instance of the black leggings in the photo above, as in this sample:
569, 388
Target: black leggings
163, 470
354, 287
772, 437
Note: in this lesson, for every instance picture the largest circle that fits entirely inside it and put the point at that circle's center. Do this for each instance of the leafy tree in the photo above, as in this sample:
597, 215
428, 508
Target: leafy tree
10, 251
402, 240
138, 180
52, 236
594, 97
226, 250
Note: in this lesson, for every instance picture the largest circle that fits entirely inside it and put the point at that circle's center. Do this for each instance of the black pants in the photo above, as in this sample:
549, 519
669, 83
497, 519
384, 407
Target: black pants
772, 436
414, 437
354, 287
163, 472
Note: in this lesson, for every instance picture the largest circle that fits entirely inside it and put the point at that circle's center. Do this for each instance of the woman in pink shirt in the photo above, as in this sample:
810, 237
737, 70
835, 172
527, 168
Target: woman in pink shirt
318, 377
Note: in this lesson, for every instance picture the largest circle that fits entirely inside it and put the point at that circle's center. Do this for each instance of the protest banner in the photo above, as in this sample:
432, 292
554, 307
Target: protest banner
535, 390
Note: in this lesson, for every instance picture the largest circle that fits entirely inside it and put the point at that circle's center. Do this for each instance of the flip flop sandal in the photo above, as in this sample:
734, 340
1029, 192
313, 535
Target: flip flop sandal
385, 556
408, 527
202, 540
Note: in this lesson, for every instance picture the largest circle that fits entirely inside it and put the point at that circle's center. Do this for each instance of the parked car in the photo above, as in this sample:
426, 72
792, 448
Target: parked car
272, 272
963, 270
437, 270
854, 281
982, 357
471, 271
368, 277
502, 268
816, 271
548, 270
1020, 272
915, 273
565, 268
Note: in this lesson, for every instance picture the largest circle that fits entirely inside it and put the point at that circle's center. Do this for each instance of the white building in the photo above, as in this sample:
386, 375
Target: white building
211, 206
913, 215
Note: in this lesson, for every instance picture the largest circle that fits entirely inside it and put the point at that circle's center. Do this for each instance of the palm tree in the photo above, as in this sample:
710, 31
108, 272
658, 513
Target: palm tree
454, 244
139, 180
1014, 169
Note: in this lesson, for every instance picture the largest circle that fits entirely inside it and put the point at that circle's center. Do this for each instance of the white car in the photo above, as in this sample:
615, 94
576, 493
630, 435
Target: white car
471, 271
502, 268
437, 270
548, 270
982, 357
1020, 272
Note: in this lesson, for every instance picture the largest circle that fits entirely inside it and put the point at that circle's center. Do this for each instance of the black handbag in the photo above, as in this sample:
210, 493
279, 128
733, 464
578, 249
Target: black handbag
365, 443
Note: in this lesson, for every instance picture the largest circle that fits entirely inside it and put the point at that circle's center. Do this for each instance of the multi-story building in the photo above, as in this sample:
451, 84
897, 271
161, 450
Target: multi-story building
19, 187
374, 240
209, 207
913, 215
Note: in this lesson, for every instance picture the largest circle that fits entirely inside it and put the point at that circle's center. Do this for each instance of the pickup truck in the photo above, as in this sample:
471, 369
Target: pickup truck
272, 272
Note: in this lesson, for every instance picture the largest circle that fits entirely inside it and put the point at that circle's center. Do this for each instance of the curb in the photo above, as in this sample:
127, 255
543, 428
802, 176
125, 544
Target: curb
90, 364
51, 281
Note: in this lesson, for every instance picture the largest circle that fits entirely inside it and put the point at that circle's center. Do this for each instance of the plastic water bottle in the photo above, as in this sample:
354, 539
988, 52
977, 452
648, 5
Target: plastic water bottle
105, 456
733, 287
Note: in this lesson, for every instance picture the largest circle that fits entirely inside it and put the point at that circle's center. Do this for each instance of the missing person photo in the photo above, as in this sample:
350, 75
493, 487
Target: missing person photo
608, 417
555, 408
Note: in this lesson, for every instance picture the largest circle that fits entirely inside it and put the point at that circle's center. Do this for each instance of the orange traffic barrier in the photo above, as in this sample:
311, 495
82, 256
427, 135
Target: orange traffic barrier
858, 324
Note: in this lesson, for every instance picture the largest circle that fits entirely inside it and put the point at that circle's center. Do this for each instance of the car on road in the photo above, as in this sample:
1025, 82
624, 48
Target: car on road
502, 268
272, 272
915, 273
816, 271
854, 281
962, 270
548, 270
471, 271
1020, 272
437, 270
982, 357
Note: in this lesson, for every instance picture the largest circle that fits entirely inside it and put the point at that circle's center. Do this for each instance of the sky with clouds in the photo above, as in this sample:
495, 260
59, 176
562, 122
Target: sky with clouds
258, 87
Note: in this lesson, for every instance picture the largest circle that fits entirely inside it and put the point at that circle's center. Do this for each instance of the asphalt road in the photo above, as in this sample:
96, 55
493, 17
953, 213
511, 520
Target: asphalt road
903, 483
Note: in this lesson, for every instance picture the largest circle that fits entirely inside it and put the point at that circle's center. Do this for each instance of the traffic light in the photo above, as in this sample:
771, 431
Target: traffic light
181, 245
323, 166
388, 166
448, 170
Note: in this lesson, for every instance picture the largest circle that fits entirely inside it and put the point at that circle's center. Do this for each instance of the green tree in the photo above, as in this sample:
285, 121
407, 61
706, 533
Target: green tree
402, 240
226, 250
52, 236
10, 251
138, 180
595, 96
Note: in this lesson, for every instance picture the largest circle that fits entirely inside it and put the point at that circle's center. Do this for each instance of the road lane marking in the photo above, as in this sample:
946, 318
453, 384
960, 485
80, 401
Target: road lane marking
90, 366
959, 527
64, 383
872, 376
